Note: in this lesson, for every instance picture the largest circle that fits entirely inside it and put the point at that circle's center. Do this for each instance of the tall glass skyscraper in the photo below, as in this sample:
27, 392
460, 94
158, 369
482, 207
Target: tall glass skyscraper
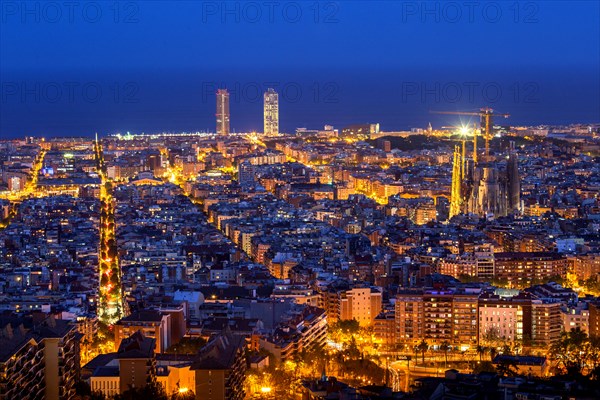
271, 112
222, 112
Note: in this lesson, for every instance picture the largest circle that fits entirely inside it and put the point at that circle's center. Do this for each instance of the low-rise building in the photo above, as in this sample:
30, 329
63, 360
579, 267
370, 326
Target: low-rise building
132, 366
153, 324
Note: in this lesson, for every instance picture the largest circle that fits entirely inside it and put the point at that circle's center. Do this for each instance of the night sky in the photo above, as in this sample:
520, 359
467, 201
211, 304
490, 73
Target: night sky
152, 66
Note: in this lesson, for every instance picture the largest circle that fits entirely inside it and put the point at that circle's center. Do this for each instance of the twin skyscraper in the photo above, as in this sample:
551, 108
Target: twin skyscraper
271, 112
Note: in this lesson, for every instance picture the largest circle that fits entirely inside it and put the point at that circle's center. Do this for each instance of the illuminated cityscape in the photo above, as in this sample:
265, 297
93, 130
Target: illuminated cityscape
289, 257
326, 249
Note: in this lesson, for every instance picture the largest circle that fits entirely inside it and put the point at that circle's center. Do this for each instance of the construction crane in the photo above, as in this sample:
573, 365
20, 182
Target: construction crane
485, 114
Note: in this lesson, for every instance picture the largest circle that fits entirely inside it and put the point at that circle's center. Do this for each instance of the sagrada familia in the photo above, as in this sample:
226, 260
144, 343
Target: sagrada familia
484, 185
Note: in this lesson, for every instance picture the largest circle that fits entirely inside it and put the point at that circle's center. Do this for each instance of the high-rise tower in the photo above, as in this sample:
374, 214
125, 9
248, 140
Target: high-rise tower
222, 112
271, 113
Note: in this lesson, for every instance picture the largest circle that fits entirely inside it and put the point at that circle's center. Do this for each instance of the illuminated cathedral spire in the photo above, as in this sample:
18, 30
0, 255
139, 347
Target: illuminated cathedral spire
455, 195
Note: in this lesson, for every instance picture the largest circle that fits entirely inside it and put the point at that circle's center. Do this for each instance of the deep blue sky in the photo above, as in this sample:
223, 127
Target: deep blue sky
153, 66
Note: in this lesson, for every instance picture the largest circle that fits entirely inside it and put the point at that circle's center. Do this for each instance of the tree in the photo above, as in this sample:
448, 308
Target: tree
517, 348
571, 351
363, 368
314, 359
187, 345
493, 353
500, 282
348, 326
353, 351
591, 285
423, 346
445, 347
481, 350
507, 366
185, 394
492, 336
557, 279
466, 278
594, 350
112, 251
484, 366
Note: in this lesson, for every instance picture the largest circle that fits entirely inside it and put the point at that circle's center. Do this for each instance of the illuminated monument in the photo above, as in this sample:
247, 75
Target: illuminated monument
483, 185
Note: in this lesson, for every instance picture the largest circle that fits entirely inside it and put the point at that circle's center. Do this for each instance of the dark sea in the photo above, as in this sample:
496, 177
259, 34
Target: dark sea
81, 103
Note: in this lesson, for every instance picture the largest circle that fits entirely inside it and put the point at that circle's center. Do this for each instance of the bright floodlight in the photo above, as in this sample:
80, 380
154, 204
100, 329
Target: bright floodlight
464, 130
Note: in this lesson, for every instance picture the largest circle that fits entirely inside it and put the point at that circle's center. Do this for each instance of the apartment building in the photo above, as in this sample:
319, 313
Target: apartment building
500, 318
576, 317
302, 330
362, 304
521, 268
545, 322
39, 358
385, 328
437, 316
477, 263
585, 266
410, 317
519, 318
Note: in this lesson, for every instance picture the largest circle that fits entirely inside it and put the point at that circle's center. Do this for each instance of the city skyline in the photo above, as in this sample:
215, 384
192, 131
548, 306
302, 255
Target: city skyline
241, 200
510, 58
412, 112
